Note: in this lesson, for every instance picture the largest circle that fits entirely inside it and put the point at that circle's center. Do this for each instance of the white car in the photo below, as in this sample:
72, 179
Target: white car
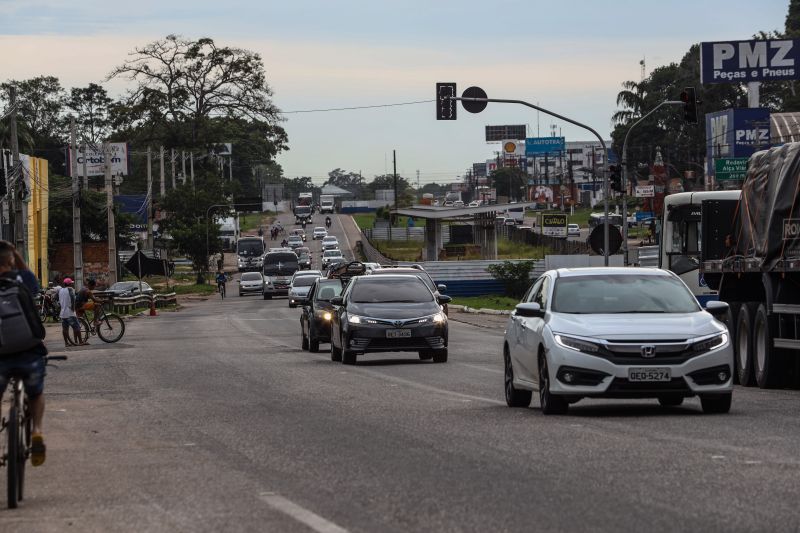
573, 230
475, 203
458, 203
331, 256
616, 333
252, 283
320, 233
301, 283
330, 239
370, 267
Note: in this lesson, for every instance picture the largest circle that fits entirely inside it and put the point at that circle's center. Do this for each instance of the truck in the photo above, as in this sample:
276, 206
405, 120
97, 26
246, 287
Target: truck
749, 253
304, 207
326, 203
229, 232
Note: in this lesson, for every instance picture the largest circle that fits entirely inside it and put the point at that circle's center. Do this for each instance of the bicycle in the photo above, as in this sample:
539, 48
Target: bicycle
221, 290
18, 425
110, 326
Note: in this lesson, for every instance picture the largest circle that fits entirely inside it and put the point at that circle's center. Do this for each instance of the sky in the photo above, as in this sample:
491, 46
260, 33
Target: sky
568, 56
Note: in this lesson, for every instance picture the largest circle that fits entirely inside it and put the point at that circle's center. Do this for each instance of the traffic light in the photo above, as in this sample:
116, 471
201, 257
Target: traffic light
689, 100
615, 177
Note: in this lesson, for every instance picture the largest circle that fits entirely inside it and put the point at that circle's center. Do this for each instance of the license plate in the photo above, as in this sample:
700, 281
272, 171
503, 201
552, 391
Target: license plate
397, 333
649, 374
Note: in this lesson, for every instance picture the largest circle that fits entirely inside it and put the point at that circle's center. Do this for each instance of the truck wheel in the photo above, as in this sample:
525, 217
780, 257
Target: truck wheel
743, 345
730, 321
768, 362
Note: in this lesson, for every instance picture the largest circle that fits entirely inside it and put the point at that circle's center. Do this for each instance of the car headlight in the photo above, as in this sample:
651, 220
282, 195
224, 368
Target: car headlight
710, 344
578, 345
438, 318
354, 319
324, 315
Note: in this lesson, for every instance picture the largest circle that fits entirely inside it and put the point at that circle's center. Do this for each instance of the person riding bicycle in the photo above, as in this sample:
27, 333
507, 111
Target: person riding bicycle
328, 222
85, 300
284, 243
221, 280
30, 364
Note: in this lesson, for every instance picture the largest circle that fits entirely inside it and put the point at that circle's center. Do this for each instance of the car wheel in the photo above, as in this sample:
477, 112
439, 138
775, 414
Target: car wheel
336, 353
514, 397
768, 362
304, 344
424, 355
440, 356
716, 403
348, 357
550, 403
313, 342
670, 401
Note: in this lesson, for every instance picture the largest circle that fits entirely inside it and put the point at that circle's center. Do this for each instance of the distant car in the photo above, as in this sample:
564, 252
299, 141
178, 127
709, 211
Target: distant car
436, 203
448, 203
458, 203
301, 283
295, 241
330, 239
315, 322
330, 246
299, 232
616, 333
475, 203
320, 233
573, 230
331, 256
509, 222
302, 250
251, 283
372, 267
124, 289
397, 313
304, 261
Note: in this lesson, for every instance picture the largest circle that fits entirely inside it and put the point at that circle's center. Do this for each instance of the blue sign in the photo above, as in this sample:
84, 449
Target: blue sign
736, 133
135, 205
643, 215
536, 146
744, 61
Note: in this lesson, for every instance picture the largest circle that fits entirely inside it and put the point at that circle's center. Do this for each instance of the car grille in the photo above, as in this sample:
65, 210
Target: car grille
667, 352
360, 343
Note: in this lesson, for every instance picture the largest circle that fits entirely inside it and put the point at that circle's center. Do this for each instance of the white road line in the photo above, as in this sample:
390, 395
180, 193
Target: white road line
301, 514
344, 232
478, 367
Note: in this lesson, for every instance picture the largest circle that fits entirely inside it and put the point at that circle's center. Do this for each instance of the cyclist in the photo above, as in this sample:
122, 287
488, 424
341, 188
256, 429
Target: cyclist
85, 300
29, 365
221, 280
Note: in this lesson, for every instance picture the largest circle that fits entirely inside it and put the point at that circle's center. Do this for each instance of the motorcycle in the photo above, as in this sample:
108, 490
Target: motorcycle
48, 307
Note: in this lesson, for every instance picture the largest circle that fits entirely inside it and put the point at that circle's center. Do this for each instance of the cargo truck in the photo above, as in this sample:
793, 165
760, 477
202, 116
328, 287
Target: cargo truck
326, 204
750, 254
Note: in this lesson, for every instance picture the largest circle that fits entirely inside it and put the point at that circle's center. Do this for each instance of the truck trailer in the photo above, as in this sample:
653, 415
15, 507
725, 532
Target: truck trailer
750, 254
326, 203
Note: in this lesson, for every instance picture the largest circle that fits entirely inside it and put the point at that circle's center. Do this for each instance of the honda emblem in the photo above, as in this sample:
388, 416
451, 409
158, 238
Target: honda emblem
648, 351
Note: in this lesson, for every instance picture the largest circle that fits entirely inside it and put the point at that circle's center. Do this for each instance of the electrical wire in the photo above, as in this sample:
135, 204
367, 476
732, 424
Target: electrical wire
355, 107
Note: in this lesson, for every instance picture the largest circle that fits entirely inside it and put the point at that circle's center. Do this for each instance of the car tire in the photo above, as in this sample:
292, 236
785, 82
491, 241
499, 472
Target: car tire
348, 357
336, 353
549, 403
768, 362
670, 401
425, 355
743, 345
440, 356
716, 403
240, 295
304, 344
514, 397
313, 342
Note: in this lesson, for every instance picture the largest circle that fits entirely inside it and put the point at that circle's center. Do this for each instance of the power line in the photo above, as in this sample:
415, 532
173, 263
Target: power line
356, 107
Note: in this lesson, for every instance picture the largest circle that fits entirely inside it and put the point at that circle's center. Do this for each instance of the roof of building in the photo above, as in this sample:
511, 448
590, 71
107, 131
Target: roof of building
427, 211
333, 190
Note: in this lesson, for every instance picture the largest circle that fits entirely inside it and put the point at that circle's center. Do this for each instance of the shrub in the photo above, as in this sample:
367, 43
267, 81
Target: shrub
515, 275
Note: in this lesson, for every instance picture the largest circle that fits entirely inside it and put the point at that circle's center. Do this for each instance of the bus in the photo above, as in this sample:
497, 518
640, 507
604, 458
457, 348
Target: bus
250, 252
597, 219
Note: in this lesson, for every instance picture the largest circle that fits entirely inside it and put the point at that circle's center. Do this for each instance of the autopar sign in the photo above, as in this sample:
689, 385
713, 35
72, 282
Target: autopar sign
543, 145
745, 61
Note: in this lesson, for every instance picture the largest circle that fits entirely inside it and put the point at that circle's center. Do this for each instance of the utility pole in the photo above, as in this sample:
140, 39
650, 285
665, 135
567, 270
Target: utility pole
150, 210
161, 164
191, 168
19, 180
230, 168
112, 245
394, 166
183, 165
85, 171
172, 163
77, 248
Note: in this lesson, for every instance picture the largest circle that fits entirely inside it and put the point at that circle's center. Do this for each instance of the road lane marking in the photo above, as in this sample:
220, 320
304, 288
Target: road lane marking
478, 367
301, 514
344, 232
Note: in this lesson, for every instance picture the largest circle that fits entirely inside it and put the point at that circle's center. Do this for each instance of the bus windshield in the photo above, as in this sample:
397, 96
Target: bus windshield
250, 247
682, 239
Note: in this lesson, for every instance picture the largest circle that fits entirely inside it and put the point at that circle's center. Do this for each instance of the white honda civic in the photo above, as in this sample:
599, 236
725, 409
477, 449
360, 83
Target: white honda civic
616, 333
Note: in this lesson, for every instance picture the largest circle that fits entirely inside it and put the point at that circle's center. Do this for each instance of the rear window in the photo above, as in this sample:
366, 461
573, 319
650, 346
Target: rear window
329, 289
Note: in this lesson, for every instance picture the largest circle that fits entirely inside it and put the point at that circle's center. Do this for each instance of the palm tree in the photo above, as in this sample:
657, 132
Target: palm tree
632, 100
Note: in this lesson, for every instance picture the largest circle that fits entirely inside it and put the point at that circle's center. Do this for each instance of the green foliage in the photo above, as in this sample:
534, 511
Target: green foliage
504, 177
515, 275
487, 301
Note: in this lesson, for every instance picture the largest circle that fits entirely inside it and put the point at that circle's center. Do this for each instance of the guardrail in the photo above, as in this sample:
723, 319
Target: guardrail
128, 304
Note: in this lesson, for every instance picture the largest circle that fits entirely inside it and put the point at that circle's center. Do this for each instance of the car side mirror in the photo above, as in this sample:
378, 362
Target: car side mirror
717, 309
529, 310
337, 300
441, 288
443, 299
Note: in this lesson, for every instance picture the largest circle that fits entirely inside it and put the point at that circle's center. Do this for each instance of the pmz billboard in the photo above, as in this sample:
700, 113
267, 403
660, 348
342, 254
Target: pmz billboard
745, 61
736, 133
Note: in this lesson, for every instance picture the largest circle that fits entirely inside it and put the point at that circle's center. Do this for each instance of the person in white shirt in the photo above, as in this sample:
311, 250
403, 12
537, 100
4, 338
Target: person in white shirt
66, 299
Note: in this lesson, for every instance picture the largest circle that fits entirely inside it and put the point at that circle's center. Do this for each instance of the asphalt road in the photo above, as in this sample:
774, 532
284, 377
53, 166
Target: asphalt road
213, 419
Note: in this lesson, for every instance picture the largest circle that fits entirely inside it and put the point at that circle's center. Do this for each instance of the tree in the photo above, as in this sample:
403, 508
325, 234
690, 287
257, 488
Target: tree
349, 181
90, 104
40, 102
515, 275
508, 181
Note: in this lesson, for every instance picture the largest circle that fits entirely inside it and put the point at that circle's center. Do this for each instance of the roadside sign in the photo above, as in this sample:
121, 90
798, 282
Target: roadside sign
554, 224
645, 191
445, 106
643, 215
731, 168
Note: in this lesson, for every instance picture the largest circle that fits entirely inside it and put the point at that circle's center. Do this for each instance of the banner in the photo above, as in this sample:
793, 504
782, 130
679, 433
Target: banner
736, 133
95, 162
745, 61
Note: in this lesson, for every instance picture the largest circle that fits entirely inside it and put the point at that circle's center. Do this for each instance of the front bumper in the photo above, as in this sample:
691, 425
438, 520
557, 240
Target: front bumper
696, 375
372, 338
259, 289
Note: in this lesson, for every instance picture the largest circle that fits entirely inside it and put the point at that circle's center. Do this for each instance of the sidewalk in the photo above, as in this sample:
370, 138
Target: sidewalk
481, 320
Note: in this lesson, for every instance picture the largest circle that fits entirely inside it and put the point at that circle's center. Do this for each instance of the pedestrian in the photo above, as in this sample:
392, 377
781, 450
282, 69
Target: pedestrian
69, 320
29, 365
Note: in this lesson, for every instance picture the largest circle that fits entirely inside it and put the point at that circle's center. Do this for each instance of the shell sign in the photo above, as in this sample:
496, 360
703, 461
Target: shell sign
514, 148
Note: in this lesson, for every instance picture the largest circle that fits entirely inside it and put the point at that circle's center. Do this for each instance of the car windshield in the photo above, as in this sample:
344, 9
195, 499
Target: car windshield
304, 281
329, 289
391, 290
333, 253
615, 293
319, 230
251, 276
419, 273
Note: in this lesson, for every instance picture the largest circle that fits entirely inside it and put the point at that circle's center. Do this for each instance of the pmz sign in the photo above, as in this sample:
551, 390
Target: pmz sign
736, 133
746, 61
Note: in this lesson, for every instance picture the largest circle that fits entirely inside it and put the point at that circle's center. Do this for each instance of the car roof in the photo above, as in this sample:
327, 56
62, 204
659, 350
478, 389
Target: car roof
393, 276
307, 273
606, 271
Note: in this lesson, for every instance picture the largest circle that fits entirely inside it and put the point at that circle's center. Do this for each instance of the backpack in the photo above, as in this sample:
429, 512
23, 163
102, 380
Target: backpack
20, 326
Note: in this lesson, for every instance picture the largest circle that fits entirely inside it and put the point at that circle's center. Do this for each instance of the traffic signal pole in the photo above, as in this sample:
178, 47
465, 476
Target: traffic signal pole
625, 176
576, 123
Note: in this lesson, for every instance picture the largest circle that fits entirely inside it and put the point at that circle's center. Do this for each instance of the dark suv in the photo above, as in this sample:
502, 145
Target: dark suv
396, 313
315, 321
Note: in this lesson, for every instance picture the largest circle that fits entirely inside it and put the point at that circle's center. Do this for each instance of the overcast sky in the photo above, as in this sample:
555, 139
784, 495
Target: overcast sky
569, 56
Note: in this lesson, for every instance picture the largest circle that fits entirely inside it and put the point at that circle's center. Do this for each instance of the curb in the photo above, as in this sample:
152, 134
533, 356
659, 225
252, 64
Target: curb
482, 311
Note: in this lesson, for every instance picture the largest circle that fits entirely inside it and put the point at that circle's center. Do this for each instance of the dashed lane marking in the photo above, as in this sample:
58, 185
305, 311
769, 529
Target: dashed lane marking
301, 514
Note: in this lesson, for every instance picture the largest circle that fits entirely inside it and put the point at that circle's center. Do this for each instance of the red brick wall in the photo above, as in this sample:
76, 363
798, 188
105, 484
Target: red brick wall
95, 261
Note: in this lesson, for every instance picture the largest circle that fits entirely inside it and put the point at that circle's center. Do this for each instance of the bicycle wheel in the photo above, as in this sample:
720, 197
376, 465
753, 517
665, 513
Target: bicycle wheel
111, 328
25, 448
13, 456
85, 329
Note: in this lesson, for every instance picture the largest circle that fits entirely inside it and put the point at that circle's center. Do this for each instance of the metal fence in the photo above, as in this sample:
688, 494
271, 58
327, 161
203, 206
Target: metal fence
531, 238
127, 305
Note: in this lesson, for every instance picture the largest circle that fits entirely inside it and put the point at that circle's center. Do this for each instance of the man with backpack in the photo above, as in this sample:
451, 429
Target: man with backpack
22, 352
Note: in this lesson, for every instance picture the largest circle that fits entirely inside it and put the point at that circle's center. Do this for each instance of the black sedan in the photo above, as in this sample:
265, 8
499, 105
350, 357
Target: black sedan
388, 314
315, 322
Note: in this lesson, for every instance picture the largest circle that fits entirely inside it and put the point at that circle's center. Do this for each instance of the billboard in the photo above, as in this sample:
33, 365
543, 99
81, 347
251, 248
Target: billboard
501, 133
554, 224
745, 61
479, 170
136, 205
491, 166
736, 133
95, 161
536, 146
513, 148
